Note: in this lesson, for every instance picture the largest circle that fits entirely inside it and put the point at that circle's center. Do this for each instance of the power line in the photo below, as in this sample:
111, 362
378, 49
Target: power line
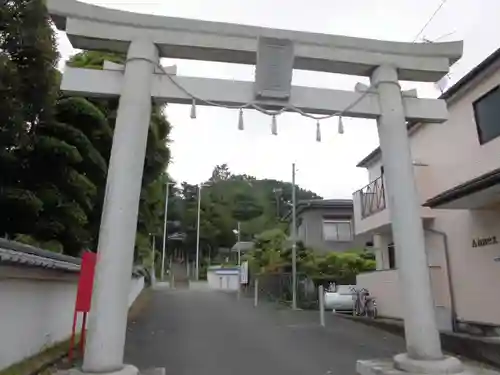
430, 20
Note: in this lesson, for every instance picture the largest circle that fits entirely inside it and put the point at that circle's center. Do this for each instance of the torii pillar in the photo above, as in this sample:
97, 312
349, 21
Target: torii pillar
145, 37
424, 354
106, 334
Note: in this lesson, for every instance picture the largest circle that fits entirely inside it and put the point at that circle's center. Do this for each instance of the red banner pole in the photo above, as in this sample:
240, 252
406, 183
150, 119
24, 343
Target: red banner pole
72, 340
82, 336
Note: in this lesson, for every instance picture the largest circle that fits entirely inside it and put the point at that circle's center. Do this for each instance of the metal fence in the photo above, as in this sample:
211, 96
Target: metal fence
277, 287
373, 197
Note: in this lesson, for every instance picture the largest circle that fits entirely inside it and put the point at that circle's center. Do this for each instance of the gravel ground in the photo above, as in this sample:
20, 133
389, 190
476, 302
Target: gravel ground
195, 332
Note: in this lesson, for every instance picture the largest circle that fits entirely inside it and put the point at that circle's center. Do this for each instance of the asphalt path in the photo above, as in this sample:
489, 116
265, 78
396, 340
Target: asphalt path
212, 333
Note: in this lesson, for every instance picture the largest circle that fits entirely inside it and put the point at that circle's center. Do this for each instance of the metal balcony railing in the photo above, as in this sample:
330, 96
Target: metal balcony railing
372, 197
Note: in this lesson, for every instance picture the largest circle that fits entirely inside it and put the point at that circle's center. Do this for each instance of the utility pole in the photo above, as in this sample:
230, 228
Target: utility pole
198, 235
277, 192
153, 273
294, 241
165, 232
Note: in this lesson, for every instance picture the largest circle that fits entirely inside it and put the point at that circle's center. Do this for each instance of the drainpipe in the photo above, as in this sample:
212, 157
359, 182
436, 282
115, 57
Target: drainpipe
454, 322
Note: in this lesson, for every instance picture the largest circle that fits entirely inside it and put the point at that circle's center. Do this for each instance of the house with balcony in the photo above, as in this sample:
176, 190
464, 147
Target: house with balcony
327, 225
457, 172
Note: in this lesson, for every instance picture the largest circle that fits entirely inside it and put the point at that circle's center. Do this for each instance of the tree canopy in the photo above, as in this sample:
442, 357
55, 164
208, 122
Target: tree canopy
54, 149
152, 198
226, 198
272, 253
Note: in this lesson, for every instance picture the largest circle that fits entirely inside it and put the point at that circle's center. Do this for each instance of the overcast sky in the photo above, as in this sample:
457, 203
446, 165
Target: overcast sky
329, 167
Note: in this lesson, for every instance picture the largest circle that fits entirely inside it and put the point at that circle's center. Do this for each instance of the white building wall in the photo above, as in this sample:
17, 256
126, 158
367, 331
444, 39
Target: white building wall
452, 149
454, 155
384, 286
374, 170
475, 271
36, 313
223, 281
212, 280
136, 287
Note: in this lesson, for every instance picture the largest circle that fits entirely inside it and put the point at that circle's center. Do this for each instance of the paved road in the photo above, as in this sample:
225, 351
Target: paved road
211, 333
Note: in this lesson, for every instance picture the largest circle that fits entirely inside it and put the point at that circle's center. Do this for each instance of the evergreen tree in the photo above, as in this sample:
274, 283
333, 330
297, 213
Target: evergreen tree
152, 200
70, 174
54, 150
28, 82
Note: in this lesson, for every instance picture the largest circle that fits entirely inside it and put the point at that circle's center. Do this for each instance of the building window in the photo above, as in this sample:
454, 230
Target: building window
487, 115
337, 230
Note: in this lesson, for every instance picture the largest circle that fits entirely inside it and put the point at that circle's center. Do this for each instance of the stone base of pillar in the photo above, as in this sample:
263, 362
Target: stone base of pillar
126, 370
448, 366
154, 371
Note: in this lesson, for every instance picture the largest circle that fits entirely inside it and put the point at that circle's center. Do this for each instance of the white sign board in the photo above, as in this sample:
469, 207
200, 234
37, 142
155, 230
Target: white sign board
244, 273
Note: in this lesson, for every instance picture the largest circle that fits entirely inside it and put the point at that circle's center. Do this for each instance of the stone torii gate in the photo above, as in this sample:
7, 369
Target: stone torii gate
146, 38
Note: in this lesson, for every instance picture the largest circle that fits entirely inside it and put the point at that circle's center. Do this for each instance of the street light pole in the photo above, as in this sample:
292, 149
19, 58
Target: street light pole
239, 244
294, 241
165, 232
238, 248
198, 235
153, 273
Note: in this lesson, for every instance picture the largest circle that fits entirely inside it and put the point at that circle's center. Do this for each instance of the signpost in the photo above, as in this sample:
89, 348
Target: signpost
244, 273
83, 299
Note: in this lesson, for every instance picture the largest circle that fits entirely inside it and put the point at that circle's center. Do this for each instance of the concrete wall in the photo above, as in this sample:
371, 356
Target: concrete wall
475, 271
374, 170
311, 229
383, 285
136, 287
37, 311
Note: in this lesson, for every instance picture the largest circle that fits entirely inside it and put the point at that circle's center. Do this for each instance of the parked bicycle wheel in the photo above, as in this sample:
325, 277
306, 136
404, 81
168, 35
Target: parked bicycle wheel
371, 309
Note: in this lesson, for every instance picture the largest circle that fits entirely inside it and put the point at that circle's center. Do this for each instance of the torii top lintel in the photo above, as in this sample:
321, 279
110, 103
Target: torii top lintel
98, 28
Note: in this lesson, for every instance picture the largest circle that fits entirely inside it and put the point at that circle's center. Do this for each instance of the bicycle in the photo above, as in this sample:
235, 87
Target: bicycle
364, 304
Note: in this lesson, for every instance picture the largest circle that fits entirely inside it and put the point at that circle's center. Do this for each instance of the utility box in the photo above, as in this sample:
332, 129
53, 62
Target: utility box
274, 69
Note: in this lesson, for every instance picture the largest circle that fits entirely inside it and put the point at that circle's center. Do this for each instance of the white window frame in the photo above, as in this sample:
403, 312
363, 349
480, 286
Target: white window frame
336, 239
